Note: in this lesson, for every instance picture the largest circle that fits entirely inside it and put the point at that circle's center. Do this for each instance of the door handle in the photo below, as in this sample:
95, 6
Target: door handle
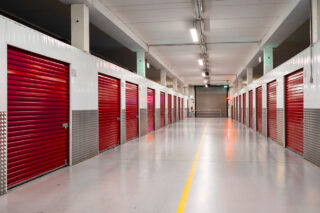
118, 119
137, 116
65, 125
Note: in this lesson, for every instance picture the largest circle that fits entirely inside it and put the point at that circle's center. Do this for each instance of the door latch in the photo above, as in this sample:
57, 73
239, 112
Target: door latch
118, 119
65, 125
138, 116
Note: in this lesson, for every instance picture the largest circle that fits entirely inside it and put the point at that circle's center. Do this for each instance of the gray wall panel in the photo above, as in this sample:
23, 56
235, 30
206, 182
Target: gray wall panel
312, 135
143, 122
123, 126
85, 143
264, 122
280, 126
157, 119
3, 153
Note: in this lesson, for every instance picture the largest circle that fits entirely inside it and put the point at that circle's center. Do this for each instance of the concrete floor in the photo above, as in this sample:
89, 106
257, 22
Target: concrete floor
238, 171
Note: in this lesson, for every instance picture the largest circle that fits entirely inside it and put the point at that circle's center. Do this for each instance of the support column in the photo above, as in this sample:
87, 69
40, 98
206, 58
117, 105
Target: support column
267, 59
80, 26
141, 63
239, 83
315, 21
175, 84
249, 75
163, 78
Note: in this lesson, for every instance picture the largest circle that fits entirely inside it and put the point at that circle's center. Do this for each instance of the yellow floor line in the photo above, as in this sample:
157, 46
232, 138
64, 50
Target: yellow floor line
186, 190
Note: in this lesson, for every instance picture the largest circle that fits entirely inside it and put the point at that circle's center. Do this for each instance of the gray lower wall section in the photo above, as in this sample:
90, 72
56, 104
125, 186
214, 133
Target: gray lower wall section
254, 121
264, 122
166, 116
312, 135
280, 126
85, 142
3, 153
143, 122
157, 119
123, 126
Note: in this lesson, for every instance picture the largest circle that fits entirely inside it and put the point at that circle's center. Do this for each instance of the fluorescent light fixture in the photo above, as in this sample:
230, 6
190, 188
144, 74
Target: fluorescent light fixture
148, 65
200, 61
260, 59
206, 85
226, 86
204, 74
205, 81
194, 35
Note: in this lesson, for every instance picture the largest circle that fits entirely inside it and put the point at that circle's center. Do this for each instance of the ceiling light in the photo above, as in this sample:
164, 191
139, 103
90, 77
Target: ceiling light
148, 65
200, 61
205, 81
206, 85
226, 86
204, 74
194, 35
260, 59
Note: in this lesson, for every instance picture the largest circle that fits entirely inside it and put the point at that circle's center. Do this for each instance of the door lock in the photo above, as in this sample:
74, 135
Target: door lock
65, 125
118, 119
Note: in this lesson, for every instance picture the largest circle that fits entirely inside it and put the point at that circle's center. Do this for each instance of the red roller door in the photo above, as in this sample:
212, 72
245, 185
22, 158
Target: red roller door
240, 112
244, 120
234, 108
38, 115
259, 109
169, 109
132, 110
237, 108
294, 111
109, 112
179, 109
174, 108
272, 109
151, 110
250, 109
182, 109
162, 109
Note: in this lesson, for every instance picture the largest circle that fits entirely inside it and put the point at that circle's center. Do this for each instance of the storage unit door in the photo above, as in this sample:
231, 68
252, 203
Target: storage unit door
259, 109
240, 109
132, 111
244, 119
169, 109
174, 108
179, 108
272, 110
109, 112
237, 109
151, 110
38, 115
162, 109
182, 109
250, 109
294, 111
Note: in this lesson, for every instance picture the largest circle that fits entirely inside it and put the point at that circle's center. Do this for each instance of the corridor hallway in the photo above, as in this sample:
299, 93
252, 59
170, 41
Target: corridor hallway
238, 170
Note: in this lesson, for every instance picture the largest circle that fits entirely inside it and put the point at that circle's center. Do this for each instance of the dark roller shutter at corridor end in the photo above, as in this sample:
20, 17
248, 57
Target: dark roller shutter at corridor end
162, 109
151, 110
250, 109
38, 115
109, 112
294, 111
244, 119
259, 109
272, 109
132, 111
169, 109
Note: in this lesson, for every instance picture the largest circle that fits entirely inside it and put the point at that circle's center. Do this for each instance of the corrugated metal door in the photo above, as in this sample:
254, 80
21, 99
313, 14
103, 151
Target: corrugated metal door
244, 120
162, 109
132, 110
182, 109
294, 111
151, 110
237, 108
109, 112
169, 109
272, 109
259, 109
179, 108
240, 112
38, 115
174, 108
250, 109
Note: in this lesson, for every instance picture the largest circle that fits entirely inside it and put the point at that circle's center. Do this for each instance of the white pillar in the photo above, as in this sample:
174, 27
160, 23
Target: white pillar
175, 84
315, 21
163, 78
249, 75
267, 59
141, 63
80, 26
239, 83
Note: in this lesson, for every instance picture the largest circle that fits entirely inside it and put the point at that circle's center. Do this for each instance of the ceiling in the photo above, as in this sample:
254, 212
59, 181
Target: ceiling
236, 28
